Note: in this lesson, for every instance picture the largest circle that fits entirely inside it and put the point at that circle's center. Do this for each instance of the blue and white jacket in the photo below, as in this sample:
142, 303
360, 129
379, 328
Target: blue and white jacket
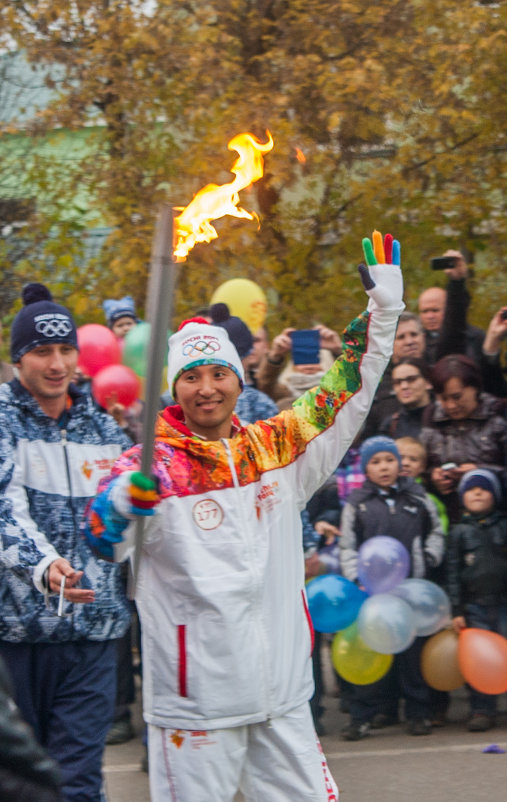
47, 476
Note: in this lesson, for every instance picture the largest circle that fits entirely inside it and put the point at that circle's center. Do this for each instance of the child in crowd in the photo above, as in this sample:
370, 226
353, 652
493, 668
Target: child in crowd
120, 315
394, 505
477, 573
413, 463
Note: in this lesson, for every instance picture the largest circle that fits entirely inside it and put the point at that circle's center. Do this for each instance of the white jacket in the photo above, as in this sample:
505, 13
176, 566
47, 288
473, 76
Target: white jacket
226, 632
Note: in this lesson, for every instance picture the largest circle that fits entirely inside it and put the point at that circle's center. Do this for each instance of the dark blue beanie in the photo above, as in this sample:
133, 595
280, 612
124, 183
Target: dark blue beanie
40, 322
373, 445
481, 477
239, 333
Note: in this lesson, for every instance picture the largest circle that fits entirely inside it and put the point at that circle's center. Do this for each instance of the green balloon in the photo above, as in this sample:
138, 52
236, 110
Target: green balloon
135, 349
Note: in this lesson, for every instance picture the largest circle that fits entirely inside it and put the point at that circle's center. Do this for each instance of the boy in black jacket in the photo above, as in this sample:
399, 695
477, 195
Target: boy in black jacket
477, 573
394, 505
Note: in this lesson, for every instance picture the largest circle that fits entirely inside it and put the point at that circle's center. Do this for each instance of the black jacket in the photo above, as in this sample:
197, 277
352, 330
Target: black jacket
384, 404
477, 561
456, 335
412, 519
405, 422
480, 438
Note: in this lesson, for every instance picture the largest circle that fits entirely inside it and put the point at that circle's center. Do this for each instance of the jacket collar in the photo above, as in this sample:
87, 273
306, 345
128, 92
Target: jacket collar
402, 484
486, 520
173, 415
79, 400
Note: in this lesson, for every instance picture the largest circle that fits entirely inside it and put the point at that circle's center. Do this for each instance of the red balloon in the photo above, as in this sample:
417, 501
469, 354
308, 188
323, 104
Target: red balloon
482, 657
116, 383
98, 347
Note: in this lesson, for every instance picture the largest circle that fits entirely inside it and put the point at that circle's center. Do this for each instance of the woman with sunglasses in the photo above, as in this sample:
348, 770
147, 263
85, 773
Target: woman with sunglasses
412, 387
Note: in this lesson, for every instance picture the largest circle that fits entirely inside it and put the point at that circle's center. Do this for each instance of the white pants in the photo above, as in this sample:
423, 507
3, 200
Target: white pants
276, 761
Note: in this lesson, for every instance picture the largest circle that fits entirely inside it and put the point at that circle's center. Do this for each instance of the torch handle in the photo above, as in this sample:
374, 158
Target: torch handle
160, 305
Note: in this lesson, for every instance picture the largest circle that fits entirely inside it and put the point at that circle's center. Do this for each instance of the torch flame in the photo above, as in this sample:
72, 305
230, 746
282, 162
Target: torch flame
213, 201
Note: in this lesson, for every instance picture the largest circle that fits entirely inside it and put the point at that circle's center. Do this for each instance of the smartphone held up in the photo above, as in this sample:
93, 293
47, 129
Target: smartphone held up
305, 346
444, 263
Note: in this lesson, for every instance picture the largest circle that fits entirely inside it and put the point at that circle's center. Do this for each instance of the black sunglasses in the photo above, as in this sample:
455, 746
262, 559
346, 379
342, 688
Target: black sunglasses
409, 379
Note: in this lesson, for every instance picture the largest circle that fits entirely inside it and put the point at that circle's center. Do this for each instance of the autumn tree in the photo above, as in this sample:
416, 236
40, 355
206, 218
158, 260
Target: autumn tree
393, 106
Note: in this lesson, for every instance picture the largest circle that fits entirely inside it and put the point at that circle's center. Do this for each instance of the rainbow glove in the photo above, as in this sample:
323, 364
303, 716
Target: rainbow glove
143, 493
381, 275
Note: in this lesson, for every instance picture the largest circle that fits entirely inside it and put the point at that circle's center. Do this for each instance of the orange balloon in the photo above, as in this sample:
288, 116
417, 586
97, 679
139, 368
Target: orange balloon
482, 659
439, 661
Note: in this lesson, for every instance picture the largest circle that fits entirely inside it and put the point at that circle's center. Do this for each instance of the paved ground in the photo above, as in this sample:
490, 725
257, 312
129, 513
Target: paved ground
388, 766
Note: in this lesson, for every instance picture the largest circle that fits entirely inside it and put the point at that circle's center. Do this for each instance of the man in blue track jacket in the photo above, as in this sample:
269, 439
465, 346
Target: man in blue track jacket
54, 448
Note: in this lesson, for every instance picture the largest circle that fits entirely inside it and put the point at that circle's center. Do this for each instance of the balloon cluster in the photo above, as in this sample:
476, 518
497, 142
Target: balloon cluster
372, 625
100, 356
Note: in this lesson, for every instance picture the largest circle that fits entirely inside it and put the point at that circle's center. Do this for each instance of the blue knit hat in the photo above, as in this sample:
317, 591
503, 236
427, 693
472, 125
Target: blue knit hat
119, 307
40, 322
481, 477
373, 445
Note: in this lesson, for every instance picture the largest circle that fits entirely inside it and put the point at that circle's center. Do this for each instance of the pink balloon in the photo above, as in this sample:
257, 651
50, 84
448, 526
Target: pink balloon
98, 347
116, 382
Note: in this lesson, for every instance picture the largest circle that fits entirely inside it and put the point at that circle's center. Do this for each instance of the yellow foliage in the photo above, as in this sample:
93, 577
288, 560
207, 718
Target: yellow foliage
395, 106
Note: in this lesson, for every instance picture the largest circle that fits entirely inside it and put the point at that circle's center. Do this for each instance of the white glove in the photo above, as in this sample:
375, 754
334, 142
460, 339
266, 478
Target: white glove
381, 276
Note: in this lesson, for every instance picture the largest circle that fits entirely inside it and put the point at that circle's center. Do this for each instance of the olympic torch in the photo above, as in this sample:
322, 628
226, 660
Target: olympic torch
174, 237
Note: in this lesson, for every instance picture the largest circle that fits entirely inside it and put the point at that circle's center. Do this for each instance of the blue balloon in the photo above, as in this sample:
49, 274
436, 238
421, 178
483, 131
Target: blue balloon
333, 602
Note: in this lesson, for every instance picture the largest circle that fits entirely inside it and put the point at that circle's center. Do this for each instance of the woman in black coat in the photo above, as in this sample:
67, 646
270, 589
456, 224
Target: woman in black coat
464, 429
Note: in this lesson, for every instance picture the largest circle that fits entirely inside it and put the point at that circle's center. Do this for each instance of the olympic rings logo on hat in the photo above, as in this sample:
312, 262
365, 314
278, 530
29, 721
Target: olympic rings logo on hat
201, 347
54, 327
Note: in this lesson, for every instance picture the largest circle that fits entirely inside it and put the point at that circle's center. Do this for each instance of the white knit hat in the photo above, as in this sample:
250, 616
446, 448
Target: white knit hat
198, 343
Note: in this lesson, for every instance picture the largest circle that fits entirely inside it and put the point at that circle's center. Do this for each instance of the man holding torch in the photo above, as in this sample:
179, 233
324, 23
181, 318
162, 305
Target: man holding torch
227, 637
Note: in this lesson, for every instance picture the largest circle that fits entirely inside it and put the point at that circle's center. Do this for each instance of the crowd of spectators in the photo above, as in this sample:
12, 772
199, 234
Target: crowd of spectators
443, 399
438, 421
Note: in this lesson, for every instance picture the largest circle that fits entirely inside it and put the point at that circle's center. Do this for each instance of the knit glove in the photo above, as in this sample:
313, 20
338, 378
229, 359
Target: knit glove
381, 275
143, 494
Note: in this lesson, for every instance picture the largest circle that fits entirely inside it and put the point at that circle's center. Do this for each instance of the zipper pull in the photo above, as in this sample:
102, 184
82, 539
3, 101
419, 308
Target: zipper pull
64, 436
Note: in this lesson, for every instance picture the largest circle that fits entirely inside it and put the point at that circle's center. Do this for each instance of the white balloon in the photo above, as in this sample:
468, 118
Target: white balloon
430, 604
386, 623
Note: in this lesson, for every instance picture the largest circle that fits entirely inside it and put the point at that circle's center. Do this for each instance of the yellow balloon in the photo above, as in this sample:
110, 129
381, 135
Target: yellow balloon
355, 661
245, 300
163, 382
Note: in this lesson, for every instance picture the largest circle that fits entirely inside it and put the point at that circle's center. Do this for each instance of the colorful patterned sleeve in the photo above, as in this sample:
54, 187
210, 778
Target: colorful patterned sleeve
316, 432
103, 525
